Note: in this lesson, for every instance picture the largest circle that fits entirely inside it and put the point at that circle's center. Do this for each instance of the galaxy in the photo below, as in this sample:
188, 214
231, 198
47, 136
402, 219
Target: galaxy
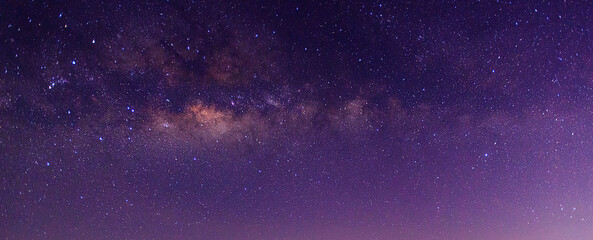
296, 120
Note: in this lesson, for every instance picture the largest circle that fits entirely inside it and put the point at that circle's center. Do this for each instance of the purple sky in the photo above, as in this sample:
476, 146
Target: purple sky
296, 120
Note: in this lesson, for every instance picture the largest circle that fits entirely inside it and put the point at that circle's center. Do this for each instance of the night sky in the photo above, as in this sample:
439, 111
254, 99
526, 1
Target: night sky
329, 120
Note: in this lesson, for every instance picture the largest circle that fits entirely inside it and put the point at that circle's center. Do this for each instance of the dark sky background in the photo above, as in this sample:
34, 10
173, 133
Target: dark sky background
296, 120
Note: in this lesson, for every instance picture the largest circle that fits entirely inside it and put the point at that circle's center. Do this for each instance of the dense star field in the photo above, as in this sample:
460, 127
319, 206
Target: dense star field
296, 120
